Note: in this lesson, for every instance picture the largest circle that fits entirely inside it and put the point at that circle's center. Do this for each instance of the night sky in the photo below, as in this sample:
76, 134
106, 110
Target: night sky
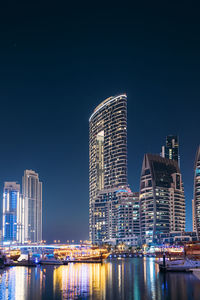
59, 61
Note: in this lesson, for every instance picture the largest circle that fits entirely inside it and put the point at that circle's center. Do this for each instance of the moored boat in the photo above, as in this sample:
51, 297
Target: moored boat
181, 265
50, 261
22, 263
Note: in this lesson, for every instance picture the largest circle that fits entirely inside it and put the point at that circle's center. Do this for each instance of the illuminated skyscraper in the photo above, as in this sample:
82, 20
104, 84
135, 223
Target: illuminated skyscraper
193, 217
107, 148
12, 213
171, 149
197, 192
162, 201
32, 194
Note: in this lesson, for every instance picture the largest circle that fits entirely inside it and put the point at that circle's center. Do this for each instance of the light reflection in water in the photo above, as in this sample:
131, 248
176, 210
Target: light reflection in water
13, 283
145, 270
119, 277
152, 277
150, 273
136, 278
136, 290
77, 280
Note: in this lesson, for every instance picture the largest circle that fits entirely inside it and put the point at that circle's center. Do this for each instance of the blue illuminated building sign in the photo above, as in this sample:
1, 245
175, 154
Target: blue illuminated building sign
122, 191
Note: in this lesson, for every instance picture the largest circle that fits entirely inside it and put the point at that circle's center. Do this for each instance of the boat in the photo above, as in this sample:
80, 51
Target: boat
180, 265
81, 253
83, 261
95, 258
50, 261
13, 254
88, 259
22, 263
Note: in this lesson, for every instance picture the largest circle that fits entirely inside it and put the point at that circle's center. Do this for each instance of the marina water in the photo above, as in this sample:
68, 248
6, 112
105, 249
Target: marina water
134, 278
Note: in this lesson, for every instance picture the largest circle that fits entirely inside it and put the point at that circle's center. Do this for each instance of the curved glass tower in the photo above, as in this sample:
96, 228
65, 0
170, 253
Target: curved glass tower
197, 192
107, 147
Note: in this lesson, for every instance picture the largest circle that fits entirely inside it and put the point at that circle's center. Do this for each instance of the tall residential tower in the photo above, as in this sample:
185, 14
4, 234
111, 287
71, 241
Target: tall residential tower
107, 148
162, 201
116, 217
197, 192
171, 148
12, 213
32, 194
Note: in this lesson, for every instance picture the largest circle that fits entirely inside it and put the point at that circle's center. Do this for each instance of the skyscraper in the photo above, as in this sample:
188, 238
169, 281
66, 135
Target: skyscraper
107, 148
171, 148
193, 217
197, 192
12, 217
162, 201
32, 194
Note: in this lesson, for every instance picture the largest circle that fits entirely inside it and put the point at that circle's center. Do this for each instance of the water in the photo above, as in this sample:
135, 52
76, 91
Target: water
134, 278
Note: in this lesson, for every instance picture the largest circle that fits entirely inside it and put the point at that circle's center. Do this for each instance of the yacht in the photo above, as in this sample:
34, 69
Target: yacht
180, 265
50, 260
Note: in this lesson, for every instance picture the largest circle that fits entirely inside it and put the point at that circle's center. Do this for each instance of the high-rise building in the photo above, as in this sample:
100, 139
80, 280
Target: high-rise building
171, 148
162, 201
197, 192
12, 213
102, 218
128, 218
107, 148
116, 216
193, 217
32, 194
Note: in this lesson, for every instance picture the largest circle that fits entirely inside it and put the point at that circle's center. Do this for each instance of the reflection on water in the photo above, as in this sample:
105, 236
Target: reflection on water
80, 279
136, 278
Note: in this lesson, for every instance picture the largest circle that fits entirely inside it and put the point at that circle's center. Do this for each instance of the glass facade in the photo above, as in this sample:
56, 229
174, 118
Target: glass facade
162, 201
32, 194
177, 237
116, 216
107, 148
193, 217
171, 149
128, 221
11, 201
197, 192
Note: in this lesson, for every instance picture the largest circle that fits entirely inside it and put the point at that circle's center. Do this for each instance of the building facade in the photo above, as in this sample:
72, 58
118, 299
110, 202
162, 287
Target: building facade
32, 195
12, 213
178, 237
128, 219
197, 192
171, 148
107, 149
116, 216
193, 217
162, 201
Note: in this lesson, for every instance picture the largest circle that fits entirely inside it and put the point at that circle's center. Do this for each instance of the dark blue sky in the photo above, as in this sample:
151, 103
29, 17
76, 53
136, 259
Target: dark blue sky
57, 62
